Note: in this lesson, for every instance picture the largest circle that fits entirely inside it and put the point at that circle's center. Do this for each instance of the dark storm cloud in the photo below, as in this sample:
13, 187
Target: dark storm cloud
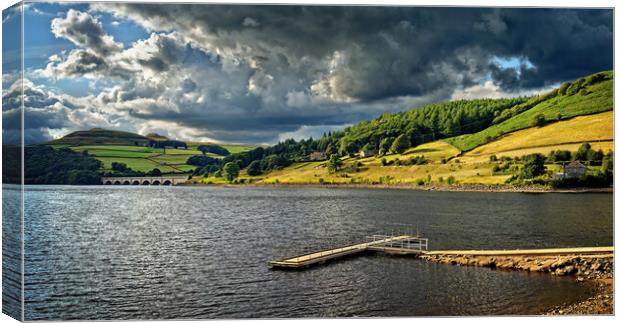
561, 44
250, 73
390, 51
42, 111
37, 122
11, 99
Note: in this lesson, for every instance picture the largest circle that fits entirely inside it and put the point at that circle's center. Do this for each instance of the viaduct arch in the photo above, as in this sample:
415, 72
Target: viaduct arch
167, 181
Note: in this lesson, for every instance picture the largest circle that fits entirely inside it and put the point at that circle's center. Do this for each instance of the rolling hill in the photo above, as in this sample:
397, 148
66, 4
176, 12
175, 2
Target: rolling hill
98, 136
575, 113
596, 129
445, 162
593, 95
132, 149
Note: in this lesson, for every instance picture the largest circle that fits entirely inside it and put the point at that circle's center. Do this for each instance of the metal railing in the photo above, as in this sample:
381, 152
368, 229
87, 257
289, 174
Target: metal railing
401, 241
412, 242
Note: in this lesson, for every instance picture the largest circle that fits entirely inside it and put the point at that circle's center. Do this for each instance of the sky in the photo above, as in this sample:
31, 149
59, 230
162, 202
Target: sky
261, 74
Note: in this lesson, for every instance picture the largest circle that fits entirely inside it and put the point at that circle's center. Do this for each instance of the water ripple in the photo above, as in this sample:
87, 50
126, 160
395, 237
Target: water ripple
187, 252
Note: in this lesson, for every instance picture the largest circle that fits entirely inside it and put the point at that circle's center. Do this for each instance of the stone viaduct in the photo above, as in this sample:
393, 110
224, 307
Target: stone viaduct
143, 180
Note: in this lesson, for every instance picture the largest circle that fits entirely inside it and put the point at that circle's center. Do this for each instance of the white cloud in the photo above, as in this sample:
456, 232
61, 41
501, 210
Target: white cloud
492, 91
85, 31
250, 22
486, 90
305, 132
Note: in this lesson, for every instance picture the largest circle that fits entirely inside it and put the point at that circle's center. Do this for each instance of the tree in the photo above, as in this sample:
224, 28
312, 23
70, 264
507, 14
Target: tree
334, 164
202, 160
83, 177
608, 164
348, 148
46, 165
533, 165
595, 155
154, 172
400, 144
254, 168
203, 149
582, 152
559, 156
119, 167
539, 120
230, 171
330, 150
207, 170
385, 144
214, 149
563, 88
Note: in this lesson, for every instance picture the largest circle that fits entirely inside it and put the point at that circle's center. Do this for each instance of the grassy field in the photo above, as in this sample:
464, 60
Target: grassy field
142, 158
445, 160
597, 129
230, 147
598, 100
371, 170
139, 164
117, 151
374, 173
131, 149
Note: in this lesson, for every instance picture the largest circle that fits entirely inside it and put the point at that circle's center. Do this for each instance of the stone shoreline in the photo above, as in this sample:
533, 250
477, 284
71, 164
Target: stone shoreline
593, 269
433, 187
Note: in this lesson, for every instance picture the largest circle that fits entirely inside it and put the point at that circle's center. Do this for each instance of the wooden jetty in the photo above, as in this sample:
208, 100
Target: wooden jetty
415, 245
399, 244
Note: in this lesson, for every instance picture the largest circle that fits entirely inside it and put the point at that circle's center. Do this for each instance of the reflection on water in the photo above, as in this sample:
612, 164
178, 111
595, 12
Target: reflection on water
202, 252
11, 251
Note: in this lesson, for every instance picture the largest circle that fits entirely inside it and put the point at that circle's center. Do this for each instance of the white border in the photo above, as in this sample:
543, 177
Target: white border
470, 3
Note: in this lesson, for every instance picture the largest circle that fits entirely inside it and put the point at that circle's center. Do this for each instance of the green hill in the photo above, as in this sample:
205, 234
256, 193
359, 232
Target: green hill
587, 95
425, 124
98, 136
427, 144
156, 136
465, 124
111, 146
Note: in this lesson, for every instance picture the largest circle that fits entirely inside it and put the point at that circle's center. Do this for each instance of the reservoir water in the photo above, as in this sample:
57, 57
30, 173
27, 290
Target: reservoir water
128, 252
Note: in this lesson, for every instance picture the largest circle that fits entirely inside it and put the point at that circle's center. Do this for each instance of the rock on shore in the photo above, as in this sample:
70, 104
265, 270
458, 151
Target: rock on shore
601, 303
592, 268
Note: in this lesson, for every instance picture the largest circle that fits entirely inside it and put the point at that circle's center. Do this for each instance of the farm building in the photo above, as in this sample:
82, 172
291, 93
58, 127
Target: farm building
317, 155
574, 169
368, 153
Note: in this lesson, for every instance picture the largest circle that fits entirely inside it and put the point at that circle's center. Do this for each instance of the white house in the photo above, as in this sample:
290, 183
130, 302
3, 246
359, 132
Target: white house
368, 152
